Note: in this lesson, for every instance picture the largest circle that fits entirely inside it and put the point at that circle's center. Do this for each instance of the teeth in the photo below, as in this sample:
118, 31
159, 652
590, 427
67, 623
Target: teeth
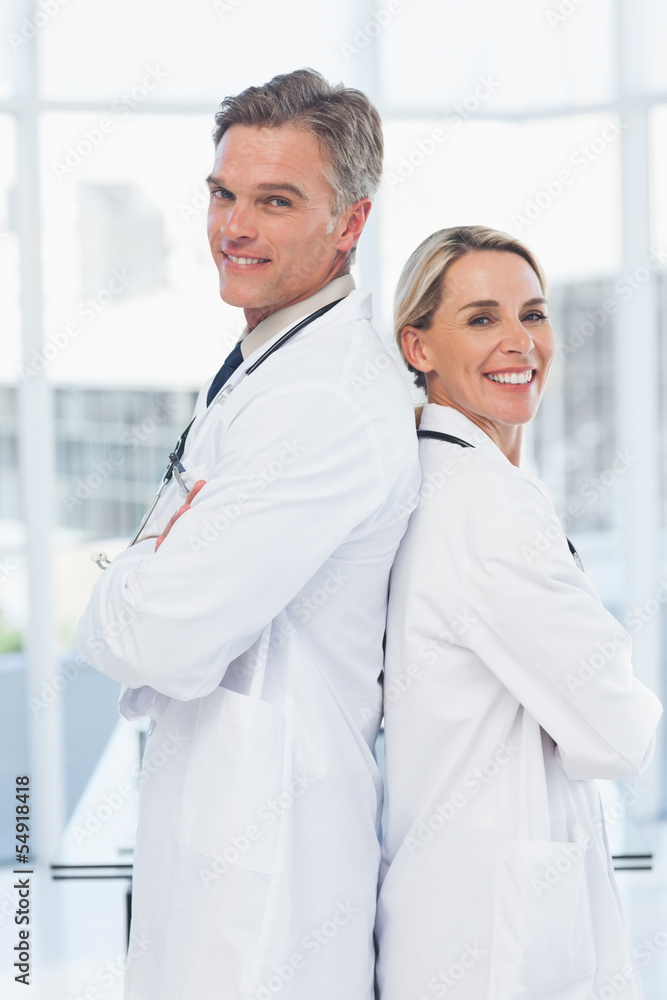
512, 377
246, 260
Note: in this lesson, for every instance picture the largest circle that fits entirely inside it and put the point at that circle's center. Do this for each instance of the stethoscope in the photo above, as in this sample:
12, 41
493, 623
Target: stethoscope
176, 468
441, 436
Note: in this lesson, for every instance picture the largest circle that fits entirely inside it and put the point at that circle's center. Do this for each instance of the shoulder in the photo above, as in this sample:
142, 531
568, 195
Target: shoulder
341, 351
312, 399
477, 484
347, 360
344, 350
473, 504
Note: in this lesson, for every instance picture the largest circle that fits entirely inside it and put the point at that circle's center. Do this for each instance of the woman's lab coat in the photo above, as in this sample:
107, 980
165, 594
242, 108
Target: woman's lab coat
253, 638
508, 687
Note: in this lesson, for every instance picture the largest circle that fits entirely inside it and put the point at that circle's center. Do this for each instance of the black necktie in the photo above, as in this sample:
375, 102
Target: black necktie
231, 363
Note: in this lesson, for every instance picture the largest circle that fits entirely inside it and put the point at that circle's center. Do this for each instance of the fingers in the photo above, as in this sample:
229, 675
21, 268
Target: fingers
181, 510
172, 521
195, 490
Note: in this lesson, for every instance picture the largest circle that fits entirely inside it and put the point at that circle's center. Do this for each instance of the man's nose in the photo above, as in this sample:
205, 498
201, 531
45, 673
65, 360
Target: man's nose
239, 223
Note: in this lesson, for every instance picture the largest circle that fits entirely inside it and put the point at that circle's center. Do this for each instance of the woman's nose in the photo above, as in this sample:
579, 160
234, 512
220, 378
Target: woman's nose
517, 338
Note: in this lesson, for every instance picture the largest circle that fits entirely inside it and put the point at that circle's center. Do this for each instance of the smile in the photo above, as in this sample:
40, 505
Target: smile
245, 261
511, 378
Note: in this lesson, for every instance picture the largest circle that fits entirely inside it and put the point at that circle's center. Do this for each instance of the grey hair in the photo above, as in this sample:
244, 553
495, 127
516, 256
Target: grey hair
421, 285
345, 122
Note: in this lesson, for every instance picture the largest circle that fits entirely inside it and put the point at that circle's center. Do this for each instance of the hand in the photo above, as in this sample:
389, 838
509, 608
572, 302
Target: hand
181, 510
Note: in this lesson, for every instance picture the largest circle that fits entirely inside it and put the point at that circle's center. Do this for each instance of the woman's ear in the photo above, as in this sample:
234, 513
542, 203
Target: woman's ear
412, 340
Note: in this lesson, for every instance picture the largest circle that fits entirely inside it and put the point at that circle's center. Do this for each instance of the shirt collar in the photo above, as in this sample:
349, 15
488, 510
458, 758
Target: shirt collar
252, 340
446, 419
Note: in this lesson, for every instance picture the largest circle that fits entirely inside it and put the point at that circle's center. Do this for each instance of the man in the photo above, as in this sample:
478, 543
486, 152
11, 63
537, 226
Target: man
251, 630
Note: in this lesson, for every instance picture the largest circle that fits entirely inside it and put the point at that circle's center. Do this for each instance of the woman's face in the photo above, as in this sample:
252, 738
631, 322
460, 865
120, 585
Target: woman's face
489, 348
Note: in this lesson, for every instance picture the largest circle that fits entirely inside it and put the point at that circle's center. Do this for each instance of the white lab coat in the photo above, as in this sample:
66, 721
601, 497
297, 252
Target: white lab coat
260, 621
507, 687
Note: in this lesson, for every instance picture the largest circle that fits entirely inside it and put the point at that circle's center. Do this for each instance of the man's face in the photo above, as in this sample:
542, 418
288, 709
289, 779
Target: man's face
269, 212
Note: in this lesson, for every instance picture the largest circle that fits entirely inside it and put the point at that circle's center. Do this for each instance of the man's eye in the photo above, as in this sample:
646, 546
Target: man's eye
221, 193
280, 202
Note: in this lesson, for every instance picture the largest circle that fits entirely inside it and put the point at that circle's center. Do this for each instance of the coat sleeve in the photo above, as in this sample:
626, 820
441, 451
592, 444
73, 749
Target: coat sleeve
541, 629
299, 468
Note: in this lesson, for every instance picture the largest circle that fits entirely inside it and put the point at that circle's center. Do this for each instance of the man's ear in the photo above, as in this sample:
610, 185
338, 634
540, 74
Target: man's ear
354, 219
415, 350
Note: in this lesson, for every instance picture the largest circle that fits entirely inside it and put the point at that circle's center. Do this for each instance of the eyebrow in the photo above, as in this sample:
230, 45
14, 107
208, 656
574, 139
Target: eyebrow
480, 303
279, 186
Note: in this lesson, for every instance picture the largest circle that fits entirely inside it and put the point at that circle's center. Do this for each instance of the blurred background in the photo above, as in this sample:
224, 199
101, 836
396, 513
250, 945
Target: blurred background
544, 118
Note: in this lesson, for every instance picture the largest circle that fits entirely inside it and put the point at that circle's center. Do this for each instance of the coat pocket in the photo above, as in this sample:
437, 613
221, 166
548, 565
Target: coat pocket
230, 807
543, 935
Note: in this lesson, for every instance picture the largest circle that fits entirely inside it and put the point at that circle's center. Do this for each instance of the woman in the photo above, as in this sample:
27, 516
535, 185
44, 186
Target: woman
508, 686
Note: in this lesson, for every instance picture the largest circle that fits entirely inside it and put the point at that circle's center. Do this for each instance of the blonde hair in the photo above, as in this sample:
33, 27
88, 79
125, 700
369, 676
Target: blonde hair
421, 284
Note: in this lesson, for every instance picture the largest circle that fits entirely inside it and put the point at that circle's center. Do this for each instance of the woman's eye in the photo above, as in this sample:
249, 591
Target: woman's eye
479, 320
534, 316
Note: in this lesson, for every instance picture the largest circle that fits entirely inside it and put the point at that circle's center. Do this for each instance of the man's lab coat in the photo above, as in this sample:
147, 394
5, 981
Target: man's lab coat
253, 638
508, 687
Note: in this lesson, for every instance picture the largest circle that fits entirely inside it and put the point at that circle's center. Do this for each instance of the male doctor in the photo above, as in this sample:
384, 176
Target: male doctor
247, 620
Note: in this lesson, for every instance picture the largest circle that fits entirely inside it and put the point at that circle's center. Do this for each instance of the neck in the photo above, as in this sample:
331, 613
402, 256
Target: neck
339, 267
508, 437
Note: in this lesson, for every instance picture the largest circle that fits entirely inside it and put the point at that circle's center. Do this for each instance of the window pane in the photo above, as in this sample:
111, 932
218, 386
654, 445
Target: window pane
435, 54
131, 294
11, 508
204, 49
9, 254
14, 30
648, 27
553, 183
658, 140
111, 452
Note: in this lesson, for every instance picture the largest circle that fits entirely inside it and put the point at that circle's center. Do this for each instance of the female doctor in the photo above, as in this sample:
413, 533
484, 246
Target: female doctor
508, 686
